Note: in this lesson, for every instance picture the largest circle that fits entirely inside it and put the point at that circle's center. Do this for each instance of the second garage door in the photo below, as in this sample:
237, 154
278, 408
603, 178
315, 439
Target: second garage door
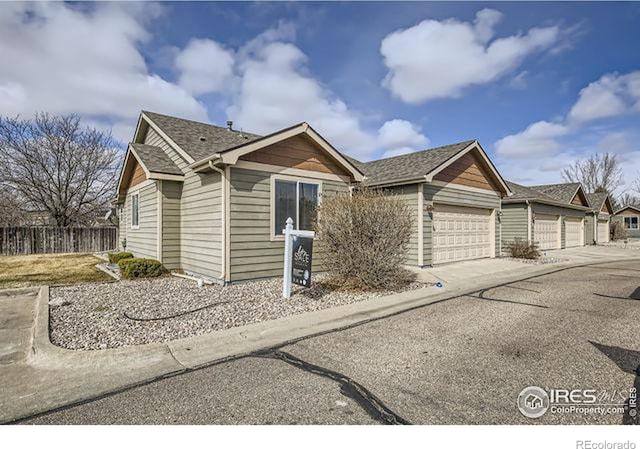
603, 231
545, 231
573, 232
461, 233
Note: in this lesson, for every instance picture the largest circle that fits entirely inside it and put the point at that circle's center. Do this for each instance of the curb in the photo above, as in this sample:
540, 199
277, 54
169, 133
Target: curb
209, 349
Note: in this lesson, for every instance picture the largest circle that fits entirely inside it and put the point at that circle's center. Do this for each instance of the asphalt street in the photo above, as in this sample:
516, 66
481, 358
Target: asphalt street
460, 361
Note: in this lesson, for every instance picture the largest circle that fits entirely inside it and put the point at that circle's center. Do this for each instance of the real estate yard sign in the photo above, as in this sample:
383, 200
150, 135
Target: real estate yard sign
301, 263
297, 257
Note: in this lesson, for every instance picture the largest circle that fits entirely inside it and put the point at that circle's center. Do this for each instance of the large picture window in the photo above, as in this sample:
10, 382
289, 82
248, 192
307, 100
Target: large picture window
135, 211
631, 222
295, 199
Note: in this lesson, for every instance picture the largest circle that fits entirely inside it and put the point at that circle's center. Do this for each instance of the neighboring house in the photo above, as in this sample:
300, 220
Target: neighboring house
551, 215
454, 193
213, 201
629, 217
598, 219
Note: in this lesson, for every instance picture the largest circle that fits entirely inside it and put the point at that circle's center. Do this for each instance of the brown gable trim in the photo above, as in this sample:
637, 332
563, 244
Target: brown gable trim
624, 209
468, 171
579, 198
490, 168
300, 152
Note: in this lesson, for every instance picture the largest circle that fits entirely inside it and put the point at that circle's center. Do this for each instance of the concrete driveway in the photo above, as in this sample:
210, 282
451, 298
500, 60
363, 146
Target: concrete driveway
459, 361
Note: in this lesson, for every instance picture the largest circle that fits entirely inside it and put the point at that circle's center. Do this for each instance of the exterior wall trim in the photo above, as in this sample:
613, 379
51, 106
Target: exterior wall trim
225, 197
452, 185
160, 218
290, 171
529, 224
421, 224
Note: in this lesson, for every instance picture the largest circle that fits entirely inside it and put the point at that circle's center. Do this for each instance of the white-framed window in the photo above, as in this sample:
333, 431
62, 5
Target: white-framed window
296, 198
135, 210
631, 222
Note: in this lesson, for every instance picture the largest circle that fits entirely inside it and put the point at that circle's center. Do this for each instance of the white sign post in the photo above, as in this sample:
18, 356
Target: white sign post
289, 235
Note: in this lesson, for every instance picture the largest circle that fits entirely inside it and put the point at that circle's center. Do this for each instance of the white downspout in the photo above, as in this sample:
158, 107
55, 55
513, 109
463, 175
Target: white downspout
223, 221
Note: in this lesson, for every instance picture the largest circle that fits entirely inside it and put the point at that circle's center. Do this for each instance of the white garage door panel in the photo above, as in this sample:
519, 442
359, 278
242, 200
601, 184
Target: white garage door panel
545, 231
461, 233
603, 231
573, 232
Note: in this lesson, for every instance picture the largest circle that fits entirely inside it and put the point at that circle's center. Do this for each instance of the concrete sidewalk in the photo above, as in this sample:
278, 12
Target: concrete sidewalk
53, 377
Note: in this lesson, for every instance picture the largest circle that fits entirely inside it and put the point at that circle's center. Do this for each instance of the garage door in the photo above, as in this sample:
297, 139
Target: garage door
603, 231
574, 232
461, 233
545, 231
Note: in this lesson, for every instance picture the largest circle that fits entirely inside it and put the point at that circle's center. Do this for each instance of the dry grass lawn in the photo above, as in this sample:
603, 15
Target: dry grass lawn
49, 269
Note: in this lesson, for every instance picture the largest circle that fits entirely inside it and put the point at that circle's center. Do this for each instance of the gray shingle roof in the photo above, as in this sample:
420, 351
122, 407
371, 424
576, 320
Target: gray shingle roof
561, 192
187, 134
597, 199
527, 193
408, 166
155, 159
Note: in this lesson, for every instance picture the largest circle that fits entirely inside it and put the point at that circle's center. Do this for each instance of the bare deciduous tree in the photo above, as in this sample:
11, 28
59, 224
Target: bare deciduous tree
12, 212
598, 173
628, 199
55, 165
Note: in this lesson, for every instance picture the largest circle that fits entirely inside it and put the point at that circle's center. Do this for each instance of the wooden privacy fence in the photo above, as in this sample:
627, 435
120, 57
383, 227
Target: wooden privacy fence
48, 240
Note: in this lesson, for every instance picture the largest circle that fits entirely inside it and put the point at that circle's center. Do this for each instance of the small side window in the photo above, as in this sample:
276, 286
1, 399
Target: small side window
135, 211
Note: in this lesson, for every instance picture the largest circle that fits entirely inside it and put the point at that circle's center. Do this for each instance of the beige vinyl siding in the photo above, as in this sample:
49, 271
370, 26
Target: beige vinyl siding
143, 241
514, 224
198, 234
546, 209
409, 195
434, 194
171, 193
252, 253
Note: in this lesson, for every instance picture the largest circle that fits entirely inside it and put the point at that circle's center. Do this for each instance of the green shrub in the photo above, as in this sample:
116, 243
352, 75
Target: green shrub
117, 257
521, 249
140, 268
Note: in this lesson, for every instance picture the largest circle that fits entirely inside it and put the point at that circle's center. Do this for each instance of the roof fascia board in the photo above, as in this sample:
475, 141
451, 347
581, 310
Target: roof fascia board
170, 141
230, 157
626, 207
473, 145
551, 203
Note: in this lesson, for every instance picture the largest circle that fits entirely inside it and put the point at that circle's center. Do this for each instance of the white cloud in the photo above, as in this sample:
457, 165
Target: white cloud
519, 81
205, 66
609, 96
537, 139
398, 137
54, 66
275, 90
538, 153
438, 59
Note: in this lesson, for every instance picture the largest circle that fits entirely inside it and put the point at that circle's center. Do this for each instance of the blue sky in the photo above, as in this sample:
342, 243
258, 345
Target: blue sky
538, 84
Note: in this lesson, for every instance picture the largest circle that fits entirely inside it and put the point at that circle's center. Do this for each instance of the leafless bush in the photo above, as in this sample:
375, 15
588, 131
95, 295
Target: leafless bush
618, 232
365, 237
521, 249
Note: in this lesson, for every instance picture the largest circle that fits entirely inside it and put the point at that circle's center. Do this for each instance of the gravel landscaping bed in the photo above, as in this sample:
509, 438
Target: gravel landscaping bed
109, 315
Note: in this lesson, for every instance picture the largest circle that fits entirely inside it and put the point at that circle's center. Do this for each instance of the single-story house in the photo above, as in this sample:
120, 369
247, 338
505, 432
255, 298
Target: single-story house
551, 215
598, 219
212, 201
629, 217
454, 193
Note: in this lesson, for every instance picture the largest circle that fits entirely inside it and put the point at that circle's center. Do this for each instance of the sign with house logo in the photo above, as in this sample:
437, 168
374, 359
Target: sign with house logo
301, 261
